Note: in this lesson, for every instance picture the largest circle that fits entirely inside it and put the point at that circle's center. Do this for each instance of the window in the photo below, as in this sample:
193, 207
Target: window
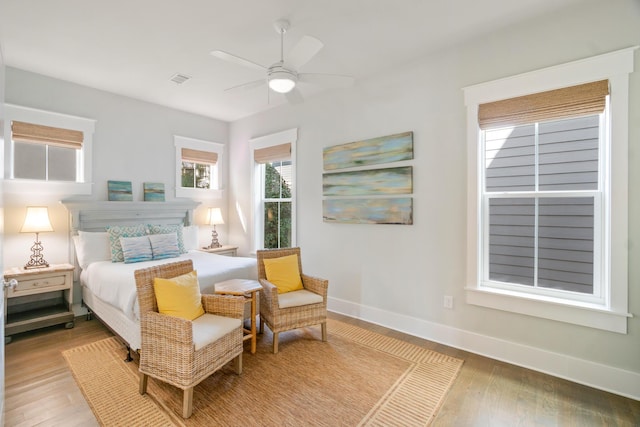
197, 167
274, 185
47, 149
545, 151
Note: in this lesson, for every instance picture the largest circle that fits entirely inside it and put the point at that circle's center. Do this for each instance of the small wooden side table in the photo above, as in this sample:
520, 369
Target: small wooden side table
248, 289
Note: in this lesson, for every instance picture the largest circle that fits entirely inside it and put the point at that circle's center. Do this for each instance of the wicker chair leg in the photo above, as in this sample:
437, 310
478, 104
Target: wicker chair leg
187, 402
275, 342
143, 383
261, 325
237, 364
324, 331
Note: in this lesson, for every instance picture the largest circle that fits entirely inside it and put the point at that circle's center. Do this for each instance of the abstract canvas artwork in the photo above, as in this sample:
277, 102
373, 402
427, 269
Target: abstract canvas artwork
119, 191
368, 182
153, 192
384, 149
397, 210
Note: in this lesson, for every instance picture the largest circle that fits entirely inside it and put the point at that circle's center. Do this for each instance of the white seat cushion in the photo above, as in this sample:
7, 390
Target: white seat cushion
298, 298
211, 327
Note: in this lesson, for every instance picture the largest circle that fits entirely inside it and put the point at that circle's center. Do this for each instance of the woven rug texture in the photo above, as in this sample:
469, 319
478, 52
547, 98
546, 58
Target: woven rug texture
356, 378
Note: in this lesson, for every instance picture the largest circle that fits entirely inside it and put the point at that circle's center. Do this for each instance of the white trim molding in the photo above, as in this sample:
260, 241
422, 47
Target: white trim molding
612, 314
592, 374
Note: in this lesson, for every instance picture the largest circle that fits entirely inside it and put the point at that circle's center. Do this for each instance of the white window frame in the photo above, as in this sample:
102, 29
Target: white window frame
82, 185
284, 137
215, 191
611, 312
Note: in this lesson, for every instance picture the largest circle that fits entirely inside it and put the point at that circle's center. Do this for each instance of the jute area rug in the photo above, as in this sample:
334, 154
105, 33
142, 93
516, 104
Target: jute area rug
357, 378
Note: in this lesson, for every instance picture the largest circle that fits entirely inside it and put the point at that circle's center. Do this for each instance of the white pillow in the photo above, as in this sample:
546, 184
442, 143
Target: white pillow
190, 236
91, 247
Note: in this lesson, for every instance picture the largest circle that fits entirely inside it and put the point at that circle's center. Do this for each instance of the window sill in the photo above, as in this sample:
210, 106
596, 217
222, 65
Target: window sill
26, 186
589, 315
198, 193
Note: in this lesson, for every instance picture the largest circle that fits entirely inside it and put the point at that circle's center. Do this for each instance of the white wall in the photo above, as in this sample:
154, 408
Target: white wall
133, 141
398, 275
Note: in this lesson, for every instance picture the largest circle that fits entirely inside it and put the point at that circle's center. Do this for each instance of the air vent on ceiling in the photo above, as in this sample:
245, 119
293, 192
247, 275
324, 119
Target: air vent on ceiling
179, 78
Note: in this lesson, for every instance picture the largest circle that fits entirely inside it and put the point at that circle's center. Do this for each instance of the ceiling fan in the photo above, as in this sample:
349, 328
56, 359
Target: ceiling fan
283, 76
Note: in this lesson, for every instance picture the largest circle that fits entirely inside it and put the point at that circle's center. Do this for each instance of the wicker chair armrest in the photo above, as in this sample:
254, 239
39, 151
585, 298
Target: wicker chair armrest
157, 326
315, 284
224, 305
269, 295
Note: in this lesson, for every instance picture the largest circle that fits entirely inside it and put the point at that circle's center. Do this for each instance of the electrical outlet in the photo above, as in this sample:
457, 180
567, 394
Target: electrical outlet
448, 301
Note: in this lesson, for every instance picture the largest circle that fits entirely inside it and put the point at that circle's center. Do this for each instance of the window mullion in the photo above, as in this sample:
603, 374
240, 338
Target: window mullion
536, 177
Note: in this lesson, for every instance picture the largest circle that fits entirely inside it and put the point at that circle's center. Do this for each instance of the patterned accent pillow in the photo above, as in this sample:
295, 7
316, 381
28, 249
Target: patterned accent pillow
136, 249
164, 245
167, 229
118, 231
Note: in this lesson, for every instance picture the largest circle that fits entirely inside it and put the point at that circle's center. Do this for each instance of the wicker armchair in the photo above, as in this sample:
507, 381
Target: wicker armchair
168, 350
292, 314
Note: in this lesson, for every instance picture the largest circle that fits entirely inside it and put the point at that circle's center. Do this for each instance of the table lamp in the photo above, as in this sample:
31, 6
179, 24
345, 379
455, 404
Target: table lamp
215, 218
36, 221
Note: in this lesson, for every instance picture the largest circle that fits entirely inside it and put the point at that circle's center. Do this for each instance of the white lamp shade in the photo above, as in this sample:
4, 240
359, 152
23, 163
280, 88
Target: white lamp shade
36, 220
215, 216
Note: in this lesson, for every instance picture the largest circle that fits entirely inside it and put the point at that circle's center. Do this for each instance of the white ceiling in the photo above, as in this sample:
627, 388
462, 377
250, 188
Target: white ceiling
133, 47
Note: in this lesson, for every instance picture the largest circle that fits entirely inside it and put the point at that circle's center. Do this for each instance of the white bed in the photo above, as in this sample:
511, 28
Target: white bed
108, 288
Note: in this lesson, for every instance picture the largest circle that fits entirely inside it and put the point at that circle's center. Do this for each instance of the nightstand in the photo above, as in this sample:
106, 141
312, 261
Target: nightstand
222, 250
43, 297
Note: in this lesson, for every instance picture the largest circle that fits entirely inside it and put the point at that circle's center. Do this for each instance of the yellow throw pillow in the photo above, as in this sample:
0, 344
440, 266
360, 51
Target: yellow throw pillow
180, 296
284, 273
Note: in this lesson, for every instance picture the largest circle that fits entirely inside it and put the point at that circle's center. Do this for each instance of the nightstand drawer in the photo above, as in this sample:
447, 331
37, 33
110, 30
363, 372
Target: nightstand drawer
41, 284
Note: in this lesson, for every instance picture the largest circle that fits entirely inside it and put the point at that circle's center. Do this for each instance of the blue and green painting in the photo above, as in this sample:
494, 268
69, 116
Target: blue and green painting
384, 149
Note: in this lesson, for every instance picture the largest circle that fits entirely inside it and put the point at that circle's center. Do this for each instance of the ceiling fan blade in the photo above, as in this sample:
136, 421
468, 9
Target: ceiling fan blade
326, 80
294, 97
225, 56
246, 86
303, 51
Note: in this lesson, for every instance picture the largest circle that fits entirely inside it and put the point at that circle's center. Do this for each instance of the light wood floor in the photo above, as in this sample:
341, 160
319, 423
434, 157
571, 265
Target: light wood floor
40, 390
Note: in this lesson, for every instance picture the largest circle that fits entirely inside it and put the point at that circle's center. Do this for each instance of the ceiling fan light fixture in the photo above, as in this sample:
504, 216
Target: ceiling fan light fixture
282, 80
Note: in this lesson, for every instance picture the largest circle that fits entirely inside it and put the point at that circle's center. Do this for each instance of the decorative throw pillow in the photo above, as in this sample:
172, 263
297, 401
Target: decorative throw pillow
118, 231
170, 228
136, 249
180, 296
164, 245
284, 273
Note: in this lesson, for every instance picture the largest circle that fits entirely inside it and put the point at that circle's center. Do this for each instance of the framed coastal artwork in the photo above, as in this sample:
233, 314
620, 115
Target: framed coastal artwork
153, 192
385, 181
384, 149
360, 182
386, 210
119, 191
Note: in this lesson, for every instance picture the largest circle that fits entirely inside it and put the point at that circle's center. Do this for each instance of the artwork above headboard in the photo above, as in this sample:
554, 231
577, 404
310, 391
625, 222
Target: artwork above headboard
96, 215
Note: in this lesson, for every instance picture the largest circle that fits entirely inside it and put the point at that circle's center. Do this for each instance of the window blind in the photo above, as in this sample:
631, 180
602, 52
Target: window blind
199, 156
589, 98
273, 153
29, 132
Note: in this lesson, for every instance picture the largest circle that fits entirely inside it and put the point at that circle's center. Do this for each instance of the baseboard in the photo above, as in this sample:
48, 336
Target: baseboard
596, 375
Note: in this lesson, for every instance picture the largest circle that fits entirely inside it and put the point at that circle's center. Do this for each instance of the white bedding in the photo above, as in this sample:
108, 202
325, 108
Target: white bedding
114, 283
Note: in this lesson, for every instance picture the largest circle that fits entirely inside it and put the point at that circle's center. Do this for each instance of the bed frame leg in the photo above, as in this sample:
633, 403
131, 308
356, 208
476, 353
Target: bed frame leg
89, 315
129, 358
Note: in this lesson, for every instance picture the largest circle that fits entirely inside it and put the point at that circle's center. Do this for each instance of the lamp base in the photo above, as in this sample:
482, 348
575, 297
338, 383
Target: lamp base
214, 240
37, 259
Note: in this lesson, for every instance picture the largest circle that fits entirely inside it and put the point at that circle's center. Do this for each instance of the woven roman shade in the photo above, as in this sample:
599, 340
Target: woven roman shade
273, 153
29, 132
580, 100
199, 156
